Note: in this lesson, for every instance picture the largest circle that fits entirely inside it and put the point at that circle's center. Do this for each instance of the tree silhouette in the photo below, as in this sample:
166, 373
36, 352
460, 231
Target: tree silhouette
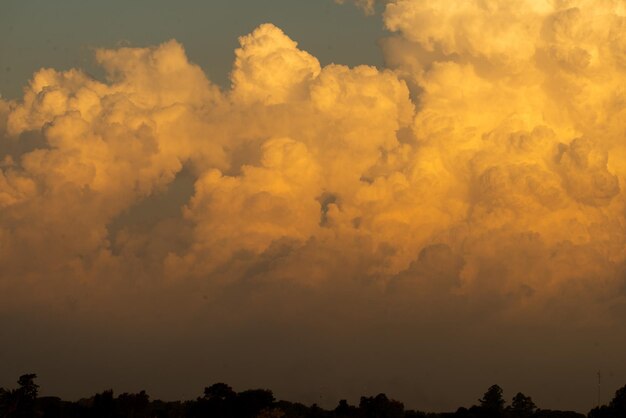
218, 402
618, 404
250, 403
615, 409
492, 402
522, 406
28, 389
345, 410
133, 405
20, 402
381, 407
219, 391
221, 401
103, 405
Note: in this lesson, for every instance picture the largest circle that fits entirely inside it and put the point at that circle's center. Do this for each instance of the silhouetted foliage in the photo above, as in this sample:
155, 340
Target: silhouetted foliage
219, 392
618, 404
293, 409
345, 410
522, 406
218, 401
6, 402
250, 403
20, 402
133, 405
28, 390
103, 405
615, 409
492, 402
380, 407
221, 401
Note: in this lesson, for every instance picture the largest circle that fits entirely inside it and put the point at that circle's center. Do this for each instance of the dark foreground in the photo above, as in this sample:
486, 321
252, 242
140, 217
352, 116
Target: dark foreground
220, 401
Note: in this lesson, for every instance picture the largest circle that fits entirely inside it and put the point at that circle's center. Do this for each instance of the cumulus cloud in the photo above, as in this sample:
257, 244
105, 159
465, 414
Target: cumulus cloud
477, 178
270, 69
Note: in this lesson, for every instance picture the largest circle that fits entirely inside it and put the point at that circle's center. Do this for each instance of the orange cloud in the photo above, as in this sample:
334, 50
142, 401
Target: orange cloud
482, 172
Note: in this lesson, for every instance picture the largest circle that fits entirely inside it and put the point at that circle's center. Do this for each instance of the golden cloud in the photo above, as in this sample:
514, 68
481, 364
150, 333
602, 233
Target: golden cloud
487, 160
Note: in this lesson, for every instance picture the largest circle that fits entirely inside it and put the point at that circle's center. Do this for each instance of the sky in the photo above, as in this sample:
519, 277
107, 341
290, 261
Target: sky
64, 34
415, 197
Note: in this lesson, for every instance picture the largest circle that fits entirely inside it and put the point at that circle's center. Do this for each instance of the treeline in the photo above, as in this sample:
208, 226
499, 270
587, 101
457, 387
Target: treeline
221, 401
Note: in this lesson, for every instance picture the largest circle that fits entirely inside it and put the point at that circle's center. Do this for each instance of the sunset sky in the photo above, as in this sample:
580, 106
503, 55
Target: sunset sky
416, 197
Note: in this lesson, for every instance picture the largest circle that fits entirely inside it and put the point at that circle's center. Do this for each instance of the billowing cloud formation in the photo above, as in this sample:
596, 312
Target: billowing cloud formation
479, 179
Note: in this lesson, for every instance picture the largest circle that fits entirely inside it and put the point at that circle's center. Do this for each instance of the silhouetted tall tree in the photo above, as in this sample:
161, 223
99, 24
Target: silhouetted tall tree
20, 402
28, 388
492, 402
522, 406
